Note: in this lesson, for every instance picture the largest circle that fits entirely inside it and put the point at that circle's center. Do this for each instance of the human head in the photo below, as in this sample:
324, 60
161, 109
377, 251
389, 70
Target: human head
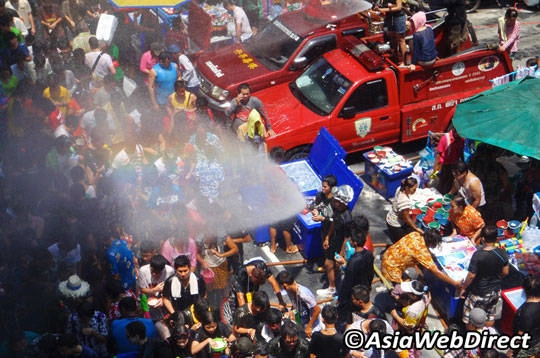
174, 49
377, 325
329, 314
157, 264
342, 195
258, 276
414, 287
489, 234
208, 321
228, 4
432, 238
418, 20
289, 335
180, 336
358, 234
244, 90
360, 295
11, 39
136, 332
531, 285
328, 183
180, 85
260, 302
127, 306
510, 13
148, 250
409, 185
478, 317
459, 169
243, 347
285, 279
273, 319
156, 49
458, 204
93, 43
182, 266
164, 60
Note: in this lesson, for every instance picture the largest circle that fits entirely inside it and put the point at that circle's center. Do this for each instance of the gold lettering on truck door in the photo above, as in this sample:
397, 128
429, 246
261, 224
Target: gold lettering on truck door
363, 126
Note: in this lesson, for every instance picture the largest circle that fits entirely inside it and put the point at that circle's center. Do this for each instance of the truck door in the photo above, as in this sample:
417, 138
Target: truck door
368, 117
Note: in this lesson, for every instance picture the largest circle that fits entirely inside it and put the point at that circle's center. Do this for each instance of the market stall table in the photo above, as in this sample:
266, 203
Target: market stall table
384, 170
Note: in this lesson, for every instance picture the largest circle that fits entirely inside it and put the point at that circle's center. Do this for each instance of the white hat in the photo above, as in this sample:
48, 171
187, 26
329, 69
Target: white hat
74, 287
407, 286
343, 193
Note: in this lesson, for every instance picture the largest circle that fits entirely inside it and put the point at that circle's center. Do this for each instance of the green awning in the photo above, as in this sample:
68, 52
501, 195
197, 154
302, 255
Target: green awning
506, 116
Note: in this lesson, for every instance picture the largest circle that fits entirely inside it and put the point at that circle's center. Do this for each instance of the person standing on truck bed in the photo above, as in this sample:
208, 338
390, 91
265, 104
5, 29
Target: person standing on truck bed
395, 23
242, 105
242, 26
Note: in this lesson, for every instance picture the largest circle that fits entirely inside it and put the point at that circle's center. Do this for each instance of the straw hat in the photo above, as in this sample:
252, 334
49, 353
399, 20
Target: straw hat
74, 287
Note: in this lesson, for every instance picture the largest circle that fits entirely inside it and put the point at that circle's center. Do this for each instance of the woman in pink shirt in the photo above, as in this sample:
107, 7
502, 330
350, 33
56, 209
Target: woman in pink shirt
180, 244
509, 29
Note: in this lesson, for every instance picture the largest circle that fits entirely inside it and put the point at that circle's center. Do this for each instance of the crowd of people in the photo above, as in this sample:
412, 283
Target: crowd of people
119, 236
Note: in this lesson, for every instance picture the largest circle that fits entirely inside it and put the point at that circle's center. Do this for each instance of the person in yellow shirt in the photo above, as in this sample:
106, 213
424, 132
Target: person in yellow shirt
59, 95
178, 101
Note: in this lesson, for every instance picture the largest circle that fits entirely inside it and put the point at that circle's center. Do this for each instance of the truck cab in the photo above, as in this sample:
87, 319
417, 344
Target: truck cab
280, 51
364, 99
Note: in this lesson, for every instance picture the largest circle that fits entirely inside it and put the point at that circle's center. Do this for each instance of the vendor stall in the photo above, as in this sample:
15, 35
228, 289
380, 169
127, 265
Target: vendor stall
384, 170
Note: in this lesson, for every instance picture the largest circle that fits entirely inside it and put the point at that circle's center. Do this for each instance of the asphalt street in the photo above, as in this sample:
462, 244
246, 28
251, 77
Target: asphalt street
373, 205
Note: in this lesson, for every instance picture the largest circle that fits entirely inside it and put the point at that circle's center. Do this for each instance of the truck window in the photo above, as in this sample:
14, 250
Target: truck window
370, 95
320, 87
274, 45
313, 49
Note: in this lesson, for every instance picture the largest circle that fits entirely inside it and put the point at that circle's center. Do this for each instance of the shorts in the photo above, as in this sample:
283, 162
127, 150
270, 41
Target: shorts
333, 247
396, 23
487, 302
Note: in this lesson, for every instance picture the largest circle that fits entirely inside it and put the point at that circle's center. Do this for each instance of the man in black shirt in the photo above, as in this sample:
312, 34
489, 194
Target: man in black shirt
482, 285
182, 289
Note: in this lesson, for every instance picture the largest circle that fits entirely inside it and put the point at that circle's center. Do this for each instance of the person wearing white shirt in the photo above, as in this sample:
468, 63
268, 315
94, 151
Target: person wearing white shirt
243, 28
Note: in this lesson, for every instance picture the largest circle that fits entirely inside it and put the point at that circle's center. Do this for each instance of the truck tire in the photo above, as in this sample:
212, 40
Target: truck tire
472, 5
298, 153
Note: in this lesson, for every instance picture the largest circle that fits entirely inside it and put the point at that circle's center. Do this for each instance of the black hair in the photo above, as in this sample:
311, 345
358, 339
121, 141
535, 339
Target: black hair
361, 223
93, 42
163, 56
207, 317
127, 304
8, 36
531, 285
330, 314
408, 183
361, 293
244, 85
273, 316
158, 262
261, 300
331, 180
377, 325
179, 331
489, 233
181, 260
460, 167
136, 328
285, 277
510, 12
85, 309
460, 201
289, 328
358, 236
432, 238
179, 84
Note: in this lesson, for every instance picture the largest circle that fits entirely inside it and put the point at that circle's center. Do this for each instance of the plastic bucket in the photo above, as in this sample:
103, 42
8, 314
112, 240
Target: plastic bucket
515, 226
207, 275
434, 225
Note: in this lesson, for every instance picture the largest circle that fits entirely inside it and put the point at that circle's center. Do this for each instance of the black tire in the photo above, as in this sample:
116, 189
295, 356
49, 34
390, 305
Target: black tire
298, 153
472, 5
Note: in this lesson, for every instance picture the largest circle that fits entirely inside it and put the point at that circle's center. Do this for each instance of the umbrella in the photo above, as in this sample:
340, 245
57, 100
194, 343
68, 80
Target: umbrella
146, 3
506, 116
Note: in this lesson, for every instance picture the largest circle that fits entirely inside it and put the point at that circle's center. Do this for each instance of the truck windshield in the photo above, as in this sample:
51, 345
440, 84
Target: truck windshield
274, 45
320, 87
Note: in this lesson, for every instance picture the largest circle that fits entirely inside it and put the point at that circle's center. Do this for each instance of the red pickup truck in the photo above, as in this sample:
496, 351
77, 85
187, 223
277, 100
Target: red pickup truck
364, 99
280, 51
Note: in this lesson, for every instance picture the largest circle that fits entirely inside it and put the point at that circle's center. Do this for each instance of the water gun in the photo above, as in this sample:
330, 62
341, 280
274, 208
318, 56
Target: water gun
144, 306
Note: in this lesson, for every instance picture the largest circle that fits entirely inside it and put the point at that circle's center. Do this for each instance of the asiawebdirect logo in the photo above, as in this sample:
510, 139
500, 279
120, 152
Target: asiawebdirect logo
354, 339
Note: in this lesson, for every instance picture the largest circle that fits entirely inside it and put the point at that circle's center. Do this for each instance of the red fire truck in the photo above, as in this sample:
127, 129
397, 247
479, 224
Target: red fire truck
364, 99
279, 52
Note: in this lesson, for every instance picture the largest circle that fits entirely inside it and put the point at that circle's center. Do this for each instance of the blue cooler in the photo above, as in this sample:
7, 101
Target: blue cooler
385, 182
325, 157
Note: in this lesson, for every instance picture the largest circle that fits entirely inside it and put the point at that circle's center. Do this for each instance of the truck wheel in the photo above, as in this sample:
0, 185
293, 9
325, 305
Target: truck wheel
298, 153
